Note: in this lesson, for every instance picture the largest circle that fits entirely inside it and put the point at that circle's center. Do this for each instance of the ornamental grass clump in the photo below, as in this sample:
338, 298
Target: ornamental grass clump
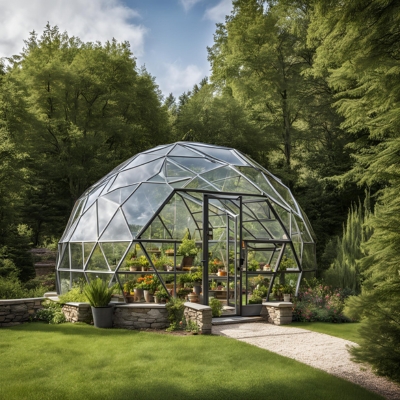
319, 303
51, 313
98, 293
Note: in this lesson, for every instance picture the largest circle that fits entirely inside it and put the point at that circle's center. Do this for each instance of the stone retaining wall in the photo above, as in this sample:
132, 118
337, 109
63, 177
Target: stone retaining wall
146, 315
16, 311
200, 315
279, 313
78, 312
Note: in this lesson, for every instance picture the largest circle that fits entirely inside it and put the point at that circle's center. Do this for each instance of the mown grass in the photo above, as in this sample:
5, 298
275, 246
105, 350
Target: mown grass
40, 361
348, 331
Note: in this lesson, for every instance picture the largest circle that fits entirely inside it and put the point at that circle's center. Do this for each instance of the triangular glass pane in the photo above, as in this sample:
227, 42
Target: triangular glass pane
288, 261
308, 224
181, 151
137, 174
294, 229
173, 171
97, 261
179, 184
284, 193
221, 154
197, 165
303, 230
158, 179
108, 185
236, 184
259, 179
256, 230
157, 230
283, 215
93, 196
104, 277
105, 210
68, 232
276, 230
117, 229
161, 150
199, 183
219, 174
143, 204
64, 264
64, 281
87, 226
114, 252
142, 159
76, 255
76, 212
120, 195
87, 248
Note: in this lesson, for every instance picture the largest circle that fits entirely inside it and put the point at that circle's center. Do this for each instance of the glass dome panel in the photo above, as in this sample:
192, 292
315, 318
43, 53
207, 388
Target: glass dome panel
117, 229
87, 226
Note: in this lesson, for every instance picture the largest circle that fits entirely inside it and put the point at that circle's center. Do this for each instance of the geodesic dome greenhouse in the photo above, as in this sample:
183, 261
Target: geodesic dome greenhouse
248, 238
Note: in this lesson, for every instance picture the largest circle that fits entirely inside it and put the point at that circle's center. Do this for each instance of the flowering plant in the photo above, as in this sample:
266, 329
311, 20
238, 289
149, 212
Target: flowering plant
148, 282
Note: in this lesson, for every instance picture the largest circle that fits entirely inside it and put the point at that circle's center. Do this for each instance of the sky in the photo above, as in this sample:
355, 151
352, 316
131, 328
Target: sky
169, 37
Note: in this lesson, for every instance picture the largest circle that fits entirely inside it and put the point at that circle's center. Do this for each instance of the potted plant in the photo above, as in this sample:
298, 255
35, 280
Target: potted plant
99, 296
188, 250
148, 283
144, 263
287, 290
253, 265
183, 292
161, 295
197, 278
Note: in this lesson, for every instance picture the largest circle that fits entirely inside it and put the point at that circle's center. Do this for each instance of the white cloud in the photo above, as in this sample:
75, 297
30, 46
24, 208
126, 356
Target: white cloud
188, 4
90, 20
218, 12
180, 79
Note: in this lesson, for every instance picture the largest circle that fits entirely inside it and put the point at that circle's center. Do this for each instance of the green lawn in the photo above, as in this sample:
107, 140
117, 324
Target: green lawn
40, 361
348, 331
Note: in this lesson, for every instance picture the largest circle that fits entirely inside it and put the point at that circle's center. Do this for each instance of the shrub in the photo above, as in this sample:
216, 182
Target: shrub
12, 288
76, 294
51, 313
175, 309
216, 307
319, 303
98, 293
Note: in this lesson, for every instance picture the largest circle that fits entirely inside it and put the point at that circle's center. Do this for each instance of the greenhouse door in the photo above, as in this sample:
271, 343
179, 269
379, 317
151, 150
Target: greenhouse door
222, 255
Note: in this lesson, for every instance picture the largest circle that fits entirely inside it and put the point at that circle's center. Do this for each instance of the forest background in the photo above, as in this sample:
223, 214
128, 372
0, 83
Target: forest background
308, 88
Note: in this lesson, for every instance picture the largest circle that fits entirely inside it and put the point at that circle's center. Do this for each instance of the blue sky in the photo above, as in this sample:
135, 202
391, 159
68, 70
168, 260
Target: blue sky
168, 36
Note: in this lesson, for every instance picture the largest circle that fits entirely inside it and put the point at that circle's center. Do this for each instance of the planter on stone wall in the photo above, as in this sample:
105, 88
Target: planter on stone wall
103, 316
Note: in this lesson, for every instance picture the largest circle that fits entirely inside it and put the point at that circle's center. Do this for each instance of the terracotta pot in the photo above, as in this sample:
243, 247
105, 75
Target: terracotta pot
138, 294
193, 298
148, 296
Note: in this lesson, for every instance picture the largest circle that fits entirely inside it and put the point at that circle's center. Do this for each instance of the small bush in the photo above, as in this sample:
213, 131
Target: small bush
51, 313
320, 303
216, 307
98, 293
12, 288
175, 309
76, 294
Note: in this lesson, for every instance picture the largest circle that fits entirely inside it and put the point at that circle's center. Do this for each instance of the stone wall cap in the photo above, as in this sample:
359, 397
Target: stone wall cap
139, 305
73, 303
20, 301
197, 306
279, 304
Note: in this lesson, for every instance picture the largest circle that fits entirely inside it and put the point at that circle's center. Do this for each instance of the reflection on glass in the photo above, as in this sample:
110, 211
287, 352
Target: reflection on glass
87, 226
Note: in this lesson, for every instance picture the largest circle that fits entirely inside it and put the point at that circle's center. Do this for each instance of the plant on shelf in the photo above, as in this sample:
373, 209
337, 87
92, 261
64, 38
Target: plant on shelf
213, 285
161, 294
170, 251
129, 286
183, 292
148, 282
183, 279
216, 307
197, 277
286, 263
256, 297
188, 246
160, 262
287, 289
253, 265
144, 263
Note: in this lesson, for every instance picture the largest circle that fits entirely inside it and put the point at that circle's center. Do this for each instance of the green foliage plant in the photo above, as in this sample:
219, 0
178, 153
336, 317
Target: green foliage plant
98, 293
253, 265
216, 307
188, 246
51, 313
75, 295
175, 309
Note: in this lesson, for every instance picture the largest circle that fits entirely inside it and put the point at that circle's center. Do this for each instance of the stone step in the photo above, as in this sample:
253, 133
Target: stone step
227, 320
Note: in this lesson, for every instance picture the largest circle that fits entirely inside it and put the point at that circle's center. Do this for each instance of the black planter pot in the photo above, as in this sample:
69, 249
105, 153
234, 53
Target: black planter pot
103, 316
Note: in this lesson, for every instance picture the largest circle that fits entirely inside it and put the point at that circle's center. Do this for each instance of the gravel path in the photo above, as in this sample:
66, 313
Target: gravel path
315, 349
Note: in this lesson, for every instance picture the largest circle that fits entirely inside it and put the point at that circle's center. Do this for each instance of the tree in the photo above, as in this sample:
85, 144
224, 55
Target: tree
358, 46
86, 108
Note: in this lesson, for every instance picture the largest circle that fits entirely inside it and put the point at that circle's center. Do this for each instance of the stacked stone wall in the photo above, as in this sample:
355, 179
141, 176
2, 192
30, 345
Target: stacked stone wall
136, 316
78, 312
200, 315
16, 311
277, 313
